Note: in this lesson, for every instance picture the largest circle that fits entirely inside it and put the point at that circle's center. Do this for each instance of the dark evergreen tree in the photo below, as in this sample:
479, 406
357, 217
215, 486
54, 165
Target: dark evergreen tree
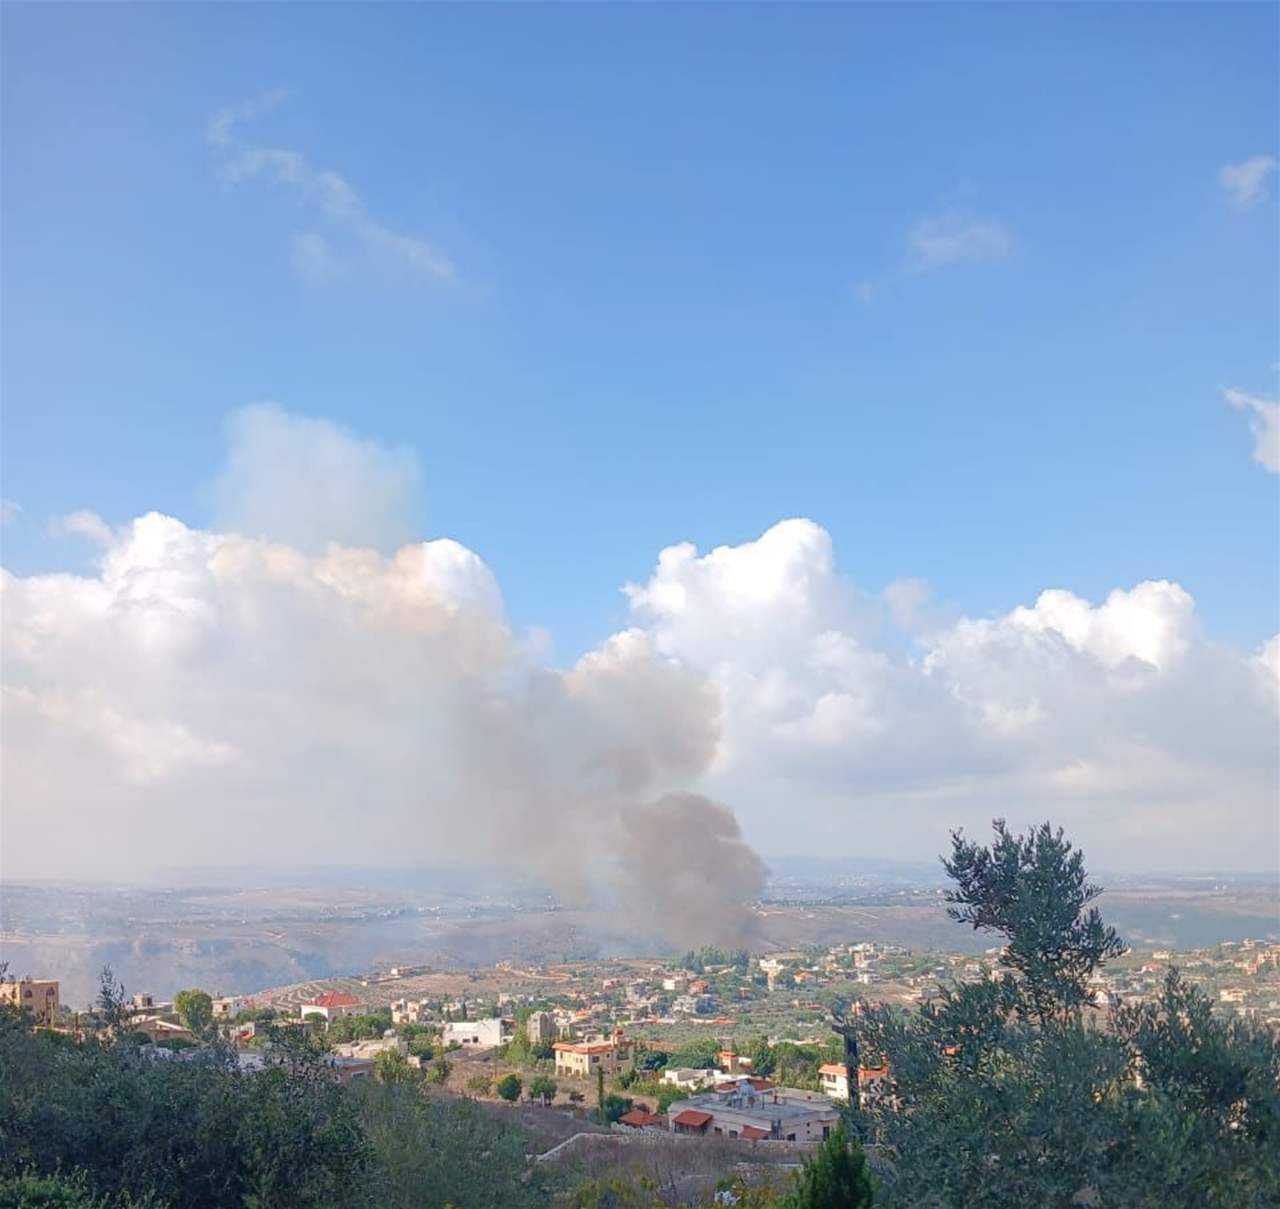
836, 1177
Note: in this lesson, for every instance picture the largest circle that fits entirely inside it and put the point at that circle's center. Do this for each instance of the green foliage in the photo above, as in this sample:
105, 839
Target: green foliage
438, 1072
421, 1046
391, 1066
650, 1060
29, 1191
600, 1104
709, 955
616, 1106
797, 1065
697, 1054
89, 1126
195, 1009
262, 1015
193, 1132
762, 1057
1034, 891
429, 1154
509, 1087
1004, 1094
544, 1088
836, 1177
479, 1085
368, 1026
615, 1190
518, 1051
667, 1094
112, 1008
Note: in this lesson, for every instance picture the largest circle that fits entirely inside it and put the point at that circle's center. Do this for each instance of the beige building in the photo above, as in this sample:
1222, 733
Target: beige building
36, 997
157, 1031
584, 1058
541, 1028
410, 1011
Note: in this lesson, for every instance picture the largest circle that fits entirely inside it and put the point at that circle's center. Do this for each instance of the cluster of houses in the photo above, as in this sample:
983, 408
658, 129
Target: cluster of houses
735, 1104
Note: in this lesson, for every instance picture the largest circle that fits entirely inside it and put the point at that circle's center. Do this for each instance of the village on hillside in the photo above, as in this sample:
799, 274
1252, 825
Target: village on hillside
718, 1044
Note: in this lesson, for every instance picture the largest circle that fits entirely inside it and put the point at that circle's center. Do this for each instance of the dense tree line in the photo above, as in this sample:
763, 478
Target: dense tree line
111, 1123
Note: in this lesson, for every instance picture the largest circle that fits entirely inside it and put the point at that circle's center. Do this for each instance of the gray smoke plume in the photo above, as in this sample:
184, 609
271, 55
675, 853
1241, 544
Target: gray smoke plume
208, 698
692, 848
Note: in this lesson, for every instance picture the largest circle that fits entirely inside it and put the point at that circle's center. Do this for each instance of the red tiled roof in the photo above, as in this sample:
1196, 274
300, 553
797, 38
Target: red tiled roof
754, 1132
638, 1118
834, 1068
692, 1117
334, 999
872, 1072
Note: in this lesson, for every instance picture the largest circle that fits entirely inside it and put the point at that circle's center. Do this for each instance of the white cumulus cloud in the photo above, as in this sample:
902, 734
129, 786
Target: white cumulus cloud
1118, 719
299, 683
1245, 183
1264, 423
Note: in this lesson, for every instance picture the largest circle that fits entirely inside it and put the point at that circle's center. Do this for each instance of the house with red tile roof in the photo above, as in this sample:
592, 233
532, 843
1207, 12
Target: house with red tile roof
691, 1120
332, 1005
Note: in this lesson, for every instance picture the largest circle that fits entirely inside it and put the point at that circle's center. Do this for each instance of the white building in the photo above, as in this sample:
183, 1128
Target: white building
478, 1034
692, 1005
690, 1077
834, 1077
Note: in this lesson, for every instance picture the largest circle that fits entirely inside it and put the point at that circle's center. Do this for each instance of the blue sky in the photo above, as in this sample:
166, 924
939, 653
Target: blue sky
989, 294
685, 300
